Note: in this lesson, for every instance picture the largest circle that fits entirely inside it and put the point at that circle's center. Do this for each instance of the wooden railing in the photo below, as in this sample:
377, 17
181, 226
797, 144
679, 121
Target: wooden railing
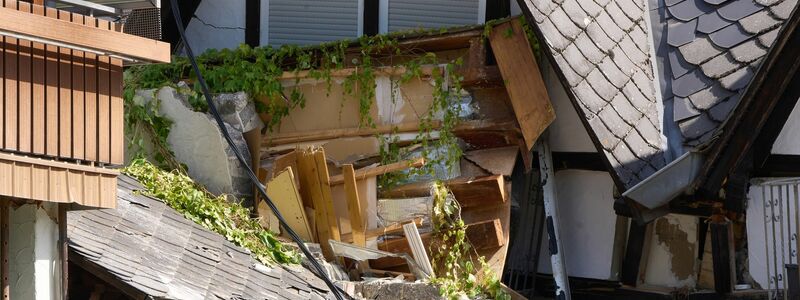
58, 102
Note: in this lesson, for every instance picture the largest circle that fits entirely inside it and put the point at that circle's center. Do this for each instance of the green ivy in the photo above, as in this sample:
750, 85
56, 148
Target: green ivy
215, 213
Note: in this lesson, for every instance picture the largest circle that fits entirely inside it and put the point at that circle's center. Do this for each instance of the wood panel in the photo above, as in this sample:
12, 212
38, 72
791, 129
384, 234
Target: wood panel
10, 76
72, 33
103, 103
116, 128
64, 96
51, 94
24, 101
523, 81
78, 100
38, 86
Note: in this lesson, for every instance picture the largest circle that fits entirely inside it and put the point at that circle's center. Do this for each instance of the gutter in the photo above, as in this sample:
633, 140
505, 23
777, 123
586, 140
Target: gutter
671, 181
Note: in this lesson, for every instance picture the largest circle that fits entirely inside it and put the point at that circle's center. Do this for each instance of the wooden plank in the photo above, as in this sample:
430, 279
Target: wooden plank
40, 178
327, 198
363, 173
117, 134
638, 235
357, 222
523, 81
90, 102
51, 93
22, 180
78, 106
56, 164
418, 248
66, 32
311, 189
283, 192
103, 103
468, 191
64, 96
25, 101
4, 238
723, 254
11, 91
495, 160
38, 65
376, 232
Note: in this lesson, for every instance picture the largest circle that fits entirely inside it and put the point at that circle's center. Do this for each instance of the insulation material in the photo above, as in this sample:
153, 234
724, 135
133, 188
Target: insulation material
392, 211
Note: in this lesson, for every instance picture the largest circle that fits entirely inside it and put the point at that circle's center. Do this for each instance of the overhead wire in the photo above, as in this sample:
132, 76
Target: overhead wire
338, 293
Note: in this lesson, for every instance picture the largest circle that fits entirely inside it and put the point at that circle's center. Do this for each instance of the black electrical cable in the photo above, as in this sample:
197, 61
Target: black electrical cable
213, 109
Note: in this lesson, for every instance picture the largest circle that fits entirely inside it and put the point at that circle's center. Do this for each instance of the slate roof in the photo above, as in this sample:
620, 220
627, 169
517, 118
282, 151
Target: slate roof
147, 245
710, 51
603, 51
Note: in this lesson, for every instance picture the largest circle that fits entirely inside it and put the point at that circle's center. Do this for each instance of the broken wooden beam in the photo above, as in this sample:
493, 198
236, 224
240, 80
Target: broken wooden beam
376, 232
522, 79
723, 253
314, 182
469, 192
357, 222
364, 173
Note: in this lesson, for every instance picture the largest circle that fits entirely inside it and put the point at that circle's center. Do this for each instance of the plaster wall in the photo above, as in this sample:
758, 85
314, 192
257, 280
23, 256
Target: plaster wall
567, 133
788, 141
217, 24
588, 223
671, 257
34, 262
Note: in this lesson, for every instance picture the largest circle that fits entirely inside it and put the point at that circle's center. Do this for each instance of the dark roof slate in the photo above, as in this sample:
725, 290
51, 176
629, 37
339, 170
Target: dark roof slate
602, 49
150, 247
726, 40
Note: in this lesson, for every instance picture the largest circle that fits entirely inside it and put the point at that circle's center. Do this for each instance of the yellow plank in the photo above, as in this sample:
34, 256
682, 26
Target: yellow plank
310, 189
283, 192
357, 223
325, 186
523, 81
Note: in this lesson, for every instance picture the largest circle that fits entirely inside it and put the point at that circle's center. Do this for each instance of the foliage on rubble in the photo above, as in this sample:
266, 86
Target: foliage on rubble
257, 71
452, 255
215, 213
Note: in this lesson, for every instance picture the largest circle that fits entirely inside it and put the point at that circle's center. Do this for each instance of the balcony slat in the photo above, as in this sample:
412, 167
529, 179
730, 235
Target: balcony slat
51, 93
65, 96
11, 94
104, 103
24, 103
117, 107
39, 119
78, 109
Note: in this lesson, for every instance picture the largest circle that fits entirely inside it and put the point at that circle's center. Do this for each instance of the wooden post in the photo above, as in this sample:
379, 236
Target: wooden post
722, 251
551, 220
634, 252
4, 236
64, 249
354, 206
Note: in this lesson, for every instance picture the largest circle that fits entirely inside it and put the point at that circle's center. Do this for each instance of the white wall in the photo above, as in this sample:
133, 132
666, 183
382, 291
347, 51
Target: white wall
766, 253
788, 141
34, 262
588, 223
217, 24
567, 133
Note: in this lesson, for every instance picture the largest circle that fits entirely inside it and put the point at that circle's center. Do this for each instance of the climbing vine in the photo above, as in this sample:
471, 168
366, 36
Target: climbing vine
452, 255
215, 213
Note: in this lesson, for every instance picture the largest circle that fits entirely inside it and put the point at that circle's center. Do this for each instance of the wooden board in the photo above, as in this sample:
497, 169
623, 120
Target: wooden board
10, 63
70, 33
78, 94
38, 81
24, 97
522, 79
357, 222
116, 118
311, 188
469, 192
380, 170
283, 192
51, 94
327, 198
494, 160
64, 96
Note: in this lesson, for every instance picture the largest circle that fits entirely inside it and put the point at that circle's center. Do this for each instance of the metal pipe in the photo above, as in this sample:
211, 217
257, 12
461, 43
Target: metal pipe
551, 212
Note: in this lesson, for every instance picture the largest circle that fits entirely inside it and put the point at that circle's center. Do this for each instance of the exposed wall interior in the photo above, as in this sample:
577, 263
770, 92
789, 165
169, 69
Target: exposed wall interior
588, 224
34, 261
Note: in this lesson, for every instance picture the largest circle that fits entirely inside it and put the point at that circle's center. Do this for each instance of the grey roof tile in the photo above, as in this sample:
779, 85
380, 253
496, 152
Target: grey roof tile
682, 109
679, 33
767, 39
640, 147
784, 9
624, 108
695, 127
564, 24
678, 65
610, 27
622, 61
690, 83
690, 9
630, 8
748, 51
628, 160
716, 2
729, 36
591, 8
577, 61
607, 139
708, 97
602, 3
553, 37
612, 72
645, 85
634, 95
759, 22
711, 22
639, 36
588, 48
672, 2
614, 122
544, 6
736, 10
639, 58
589, 98
599, 37
720, 66
650, 133
171, 257
699, 51
721, 111
737, 80
572, 78
618, 16
601, 86
768, 2
576, 13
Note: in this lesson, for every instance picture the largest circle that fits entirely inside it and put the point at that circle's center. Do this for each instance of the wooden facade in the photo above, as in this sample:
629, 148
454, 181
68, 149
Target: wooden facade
62, 120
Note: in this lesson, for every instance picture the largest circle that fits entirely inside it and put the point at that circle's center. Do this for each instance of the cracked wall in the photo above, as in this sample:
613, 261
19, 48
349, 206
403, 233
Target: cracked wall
217, 24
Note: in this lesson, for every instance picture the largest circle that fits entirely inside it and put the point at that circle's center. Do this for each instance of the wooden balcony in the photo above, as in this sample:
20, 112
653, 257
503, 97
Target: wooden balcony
61, 127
